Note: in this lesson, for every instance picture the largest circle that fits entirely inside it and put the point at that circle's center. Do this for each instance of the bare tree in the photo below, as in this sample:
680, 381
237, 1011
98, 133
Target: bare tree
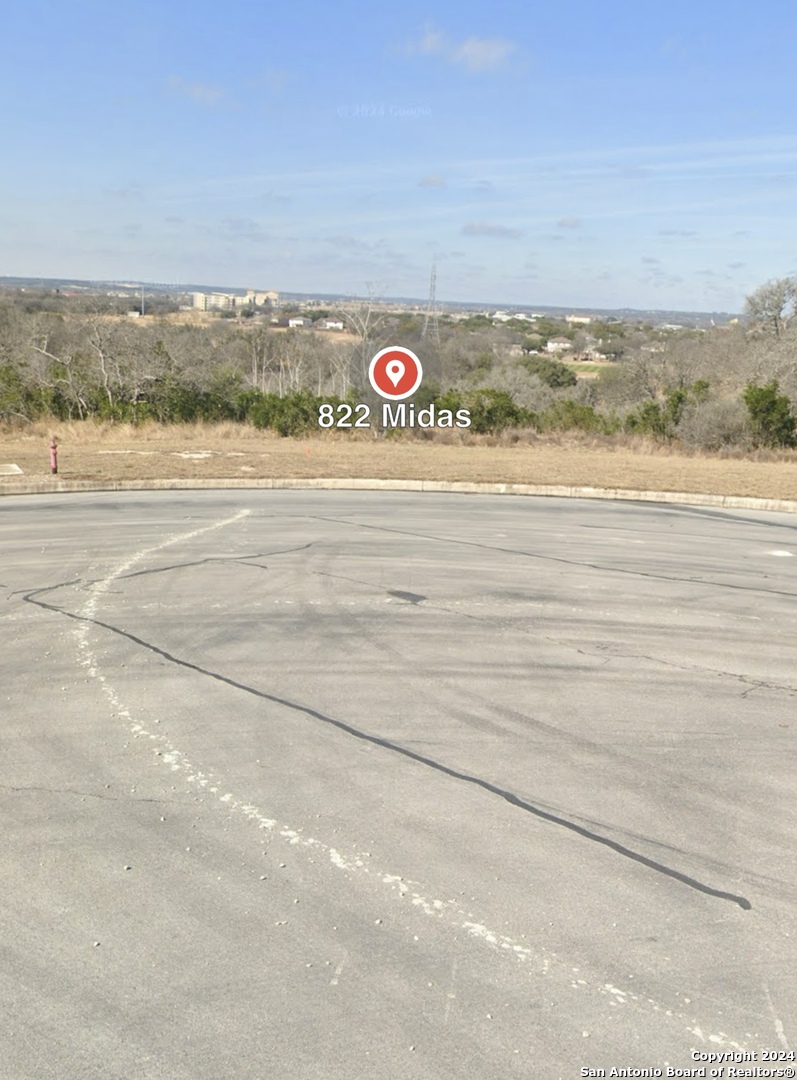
368, 321
66, 364
261, 347
14, 333
773, 306
113, 349
340, 369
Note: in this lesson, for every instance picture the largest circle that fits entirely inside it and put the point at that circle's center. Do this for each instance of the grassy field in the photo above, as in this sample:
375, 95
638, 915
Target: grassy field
585, 369
121, 452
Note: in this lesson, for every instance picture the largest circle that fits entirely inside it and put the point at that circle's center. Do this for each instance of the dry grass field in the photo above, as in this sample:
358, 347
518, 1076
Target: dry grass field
102, 452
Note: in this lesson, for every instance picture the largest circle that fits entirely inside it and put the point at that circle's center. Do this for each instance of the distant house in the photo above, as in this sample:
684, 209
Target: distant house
596, 355
331, 324
578, 320
299, 321
558, 344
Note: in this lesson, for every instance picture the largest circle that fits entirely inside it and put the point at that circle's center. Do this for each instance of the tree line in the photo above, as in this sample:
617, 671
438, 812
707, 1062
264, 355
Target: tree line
733, 386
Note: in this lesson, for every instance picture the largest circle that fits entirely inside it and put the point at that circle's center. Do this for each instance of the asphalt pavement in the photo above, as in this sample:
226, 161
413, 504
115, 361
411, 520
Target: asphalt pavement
393, 785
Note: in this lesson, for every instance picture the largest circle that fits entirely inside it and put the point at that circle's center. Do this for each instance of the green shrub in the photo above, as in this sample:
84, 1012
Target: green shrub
551, 372
772, 421
294, 414
13, 394
566, 415
661, 419
647, 419
491, 411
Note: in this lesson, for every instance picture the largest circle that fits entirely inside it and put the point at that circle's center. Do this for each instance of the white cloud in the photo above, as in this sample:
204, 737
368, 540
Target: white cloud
483, 228
131, 192
431, 42
432, 180
482, 54
201, 93
273, 80
244, 229
474, 54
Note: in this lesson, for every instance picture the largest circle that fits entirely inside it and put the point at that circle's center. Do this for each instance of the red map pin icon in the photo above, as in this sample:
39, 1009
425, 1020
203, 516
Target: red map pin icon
395, 373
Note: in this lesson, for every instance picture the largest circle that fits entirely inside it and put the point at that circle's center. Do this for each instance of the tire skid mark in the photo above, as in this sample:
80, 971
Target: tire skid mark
559, 559
86, 619
544, 961
504, 712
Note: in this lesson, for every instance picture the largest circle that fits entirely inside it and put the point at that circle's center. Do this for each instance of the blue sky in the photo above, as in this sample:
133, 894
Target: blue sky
567, 153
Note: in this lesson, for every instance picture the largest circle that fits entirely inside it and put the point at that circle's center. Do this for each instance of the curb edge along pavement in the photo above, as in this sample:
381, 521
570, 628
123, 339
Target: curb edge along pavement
738, 502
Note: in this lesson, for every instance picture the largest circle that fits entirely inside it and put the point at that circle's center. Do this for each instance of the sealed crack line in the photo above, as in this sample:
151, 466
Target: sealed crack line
447, 910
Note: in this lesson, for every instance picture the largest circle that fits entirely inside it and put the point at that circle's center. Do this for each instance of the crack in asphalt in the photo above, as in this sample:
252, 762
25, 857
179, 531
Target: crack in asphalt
763, 881
754, 684
245, 560
398, 594
704, 512
42, 790
555, 558
386, 744
605, 653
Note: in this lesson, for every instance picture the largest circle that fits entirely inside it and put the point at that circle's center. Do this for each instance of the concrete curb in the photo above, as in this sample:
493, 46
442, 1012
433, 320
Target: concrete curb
737, 502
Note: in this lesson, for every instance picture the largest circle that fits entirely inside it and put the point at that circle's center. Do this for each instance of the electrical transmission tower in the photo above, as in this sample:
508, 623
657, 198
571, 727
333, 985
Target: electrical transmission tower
430, 325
